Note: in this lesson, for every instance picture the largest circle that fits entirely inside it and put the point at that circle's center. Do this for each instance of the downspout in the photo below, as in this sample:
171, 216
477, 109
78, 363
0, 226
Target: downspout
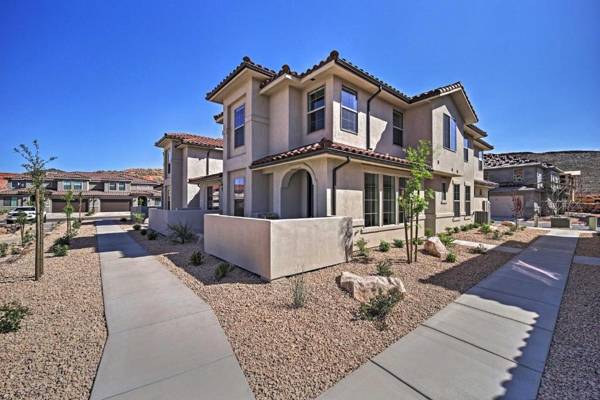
207, 162
369, 117
333, 195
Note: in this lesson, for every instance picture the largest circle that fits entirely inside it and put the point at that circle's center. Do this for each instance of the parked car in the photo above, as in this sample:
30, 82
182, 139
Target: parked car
30, 213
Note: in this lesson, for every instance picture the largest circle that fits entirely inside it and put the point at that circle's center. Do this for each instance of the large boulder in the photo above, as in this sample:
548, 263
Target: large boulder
435, 247
363, 288
510, 224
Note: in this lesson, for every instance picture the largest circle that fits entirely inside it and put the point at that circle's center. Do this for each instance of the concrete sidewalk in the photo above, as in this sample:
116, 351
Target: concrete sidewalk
163, 342
491, 343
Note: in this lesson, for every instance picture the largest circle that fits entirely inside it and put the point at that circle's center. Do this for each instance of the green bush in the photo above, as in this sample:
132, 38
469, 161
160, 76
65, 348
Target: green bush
299, 294
378, 308
399, 243
3, 249
362, 247
449, 229
509, 233
497, 235
11, 315
138, 218
456, 229
137, 227
222, 270
384, 246
446, 239
63, 240
152, 235
143, 231
513, 228
451, 257
417, 241
464, 228
480, 249
384, 268
76, 224
60, 250
14, 250
428, 233
476, 225
485, 228
197, 258
181, 233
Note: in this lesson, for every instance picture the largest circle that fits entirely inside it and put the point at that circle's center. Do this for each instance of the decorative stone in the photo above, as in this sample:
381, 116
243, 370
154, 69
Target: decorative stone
510, 224
363, 288
435, 247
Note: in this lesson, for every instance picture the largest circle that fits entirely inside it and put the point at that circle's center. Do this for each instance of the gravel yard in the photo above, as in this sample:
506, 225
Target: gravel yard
588, 245
573, 367
520, 238
56, 352
298, 353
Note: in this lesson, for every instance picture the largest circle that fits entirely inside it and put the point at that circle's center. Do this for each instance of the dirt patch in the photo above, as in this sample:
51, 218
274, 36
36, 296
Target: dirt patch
572, 367
519, 239
588, 245
56, 352
298, 353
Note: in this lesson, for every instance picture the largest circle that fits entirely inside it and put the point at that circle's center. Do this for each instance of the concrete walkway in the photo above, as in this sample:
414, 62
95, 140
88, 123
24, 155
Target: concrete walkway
163, 342
491, 343
587, 260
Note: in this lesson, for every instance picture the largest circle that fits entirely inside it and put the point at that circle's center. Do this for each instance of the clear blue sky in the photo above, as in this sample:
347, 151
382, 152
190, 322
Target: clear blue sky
97, 82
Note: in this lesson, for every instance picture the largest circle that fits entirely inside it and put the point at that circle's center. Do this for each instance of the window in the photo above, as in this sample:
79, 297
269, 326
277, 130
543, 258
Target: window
467, 200
449, 133
112, 186
457, 200
239, 120
316, 110
10, 201
18, 184
479, 155
371, 200
398, 128
122, 186
467, 146
349, 111
212, 198
239, 185
444, 192
518, 175
72, 185
389, 200
401, 186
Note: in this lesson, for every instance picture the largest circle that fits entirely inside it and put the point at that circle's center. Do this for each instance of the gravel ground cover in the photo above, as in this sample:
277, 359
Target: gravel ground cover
520, 238
56, 352
289, 353
573, 367
588, 245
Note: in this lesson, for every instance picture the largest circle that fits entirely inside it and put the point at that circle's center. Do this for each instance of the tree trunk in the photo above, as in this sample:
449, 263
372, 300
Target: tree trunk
406, 236
411, 233
416, 236
39, 235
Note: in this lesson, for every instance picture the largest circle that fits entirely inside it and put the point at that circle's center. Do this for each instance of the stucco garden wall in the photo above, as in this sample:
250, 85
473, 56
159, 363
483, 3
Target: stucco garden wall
159, 219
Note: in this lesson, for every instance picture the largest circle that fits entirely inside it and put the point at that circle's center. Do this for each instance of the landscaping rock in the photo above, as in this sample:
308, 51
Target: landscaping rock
435, 247
363, 288
510, 224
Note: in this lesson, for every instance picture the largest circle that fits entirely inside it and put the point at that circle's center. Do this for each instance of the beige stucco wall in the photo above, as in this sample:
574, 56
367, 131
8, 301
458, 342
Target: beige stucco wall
159, 219
278, 248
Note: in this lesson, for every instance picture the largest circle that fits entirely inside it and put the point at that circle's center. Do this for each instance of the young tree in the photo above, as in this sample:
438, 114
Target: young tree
80, 198
68, 209
415, 197
22, 221
517, 208
35, 166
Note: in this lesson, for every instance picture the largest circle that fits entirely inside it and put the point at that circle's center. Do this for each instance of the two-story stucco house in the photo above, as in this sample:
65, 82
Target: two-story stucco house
332, 141
534, 182
191, 165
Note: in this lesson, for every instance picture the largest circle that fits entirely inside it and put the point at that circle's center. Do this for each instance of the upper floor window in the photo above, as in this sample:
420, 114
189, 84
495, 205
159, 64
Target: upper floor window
457, 200
467, 146
349, 110
479, 155
449, 133
18, 184
112, 186
239, 120
518, 175
316, 110
121, 186
72, 185
398, 128
371, 208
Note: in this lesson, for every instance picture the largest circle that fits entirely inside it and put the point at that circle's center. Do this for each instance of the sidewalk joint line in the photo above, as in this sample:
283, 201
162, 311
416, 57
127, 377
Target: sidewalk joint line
501, 316
400, 379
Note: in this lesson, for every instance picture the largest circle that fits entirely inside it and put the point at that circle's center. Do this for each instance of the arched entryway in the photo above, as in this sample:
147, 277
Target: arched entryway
297, 195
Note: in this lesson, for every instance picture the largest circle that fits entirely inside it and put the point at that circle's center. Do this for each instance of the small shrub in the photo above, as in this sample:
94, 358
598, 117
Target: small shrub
513, 228
143, 231
197, 258
378, 308
89, 213
384, 246
456, 229
137, 227
399, 243
485, 228
417, 241
76, 225
384, 268
14, 250
480, 249
3, 249
299, 294
451, 257
222, 270
138, 217
522, 227
181, 233
60, 250
152, 235
464, 228
476, 225
428, 233
497, 235
509, 233
449, 230
11, 315
63, 240
362, 247
123, 219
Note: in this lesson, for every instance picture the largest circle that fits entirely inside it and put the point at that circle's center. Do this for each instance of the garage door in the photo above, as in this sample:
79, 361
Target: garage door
115, 205
501, 206
58, 206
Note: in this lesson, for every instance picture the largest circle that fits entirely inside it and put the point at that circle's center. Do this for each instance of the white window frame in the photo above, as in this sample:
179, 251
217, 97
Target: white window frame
242, 126
397, 128
343, 107
309, 112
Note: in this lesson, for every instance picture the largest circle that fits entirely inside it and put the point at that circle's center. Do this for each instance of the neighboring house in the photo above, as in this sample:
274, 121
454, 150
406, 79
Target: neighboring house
101, 191
537, 184
4, 179
186, 159
332, 141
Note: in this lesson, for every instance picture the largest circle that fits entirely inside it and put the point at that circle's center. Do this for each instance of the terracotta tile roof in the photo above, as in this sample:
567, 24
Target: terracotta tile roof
327, 146
196, 140
505, 160
246, 63
483, 182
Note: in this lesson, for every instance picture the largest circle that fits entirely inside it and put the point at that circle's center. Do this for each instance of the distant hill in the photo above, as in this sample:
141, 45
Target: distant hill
586, 161
153, 174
